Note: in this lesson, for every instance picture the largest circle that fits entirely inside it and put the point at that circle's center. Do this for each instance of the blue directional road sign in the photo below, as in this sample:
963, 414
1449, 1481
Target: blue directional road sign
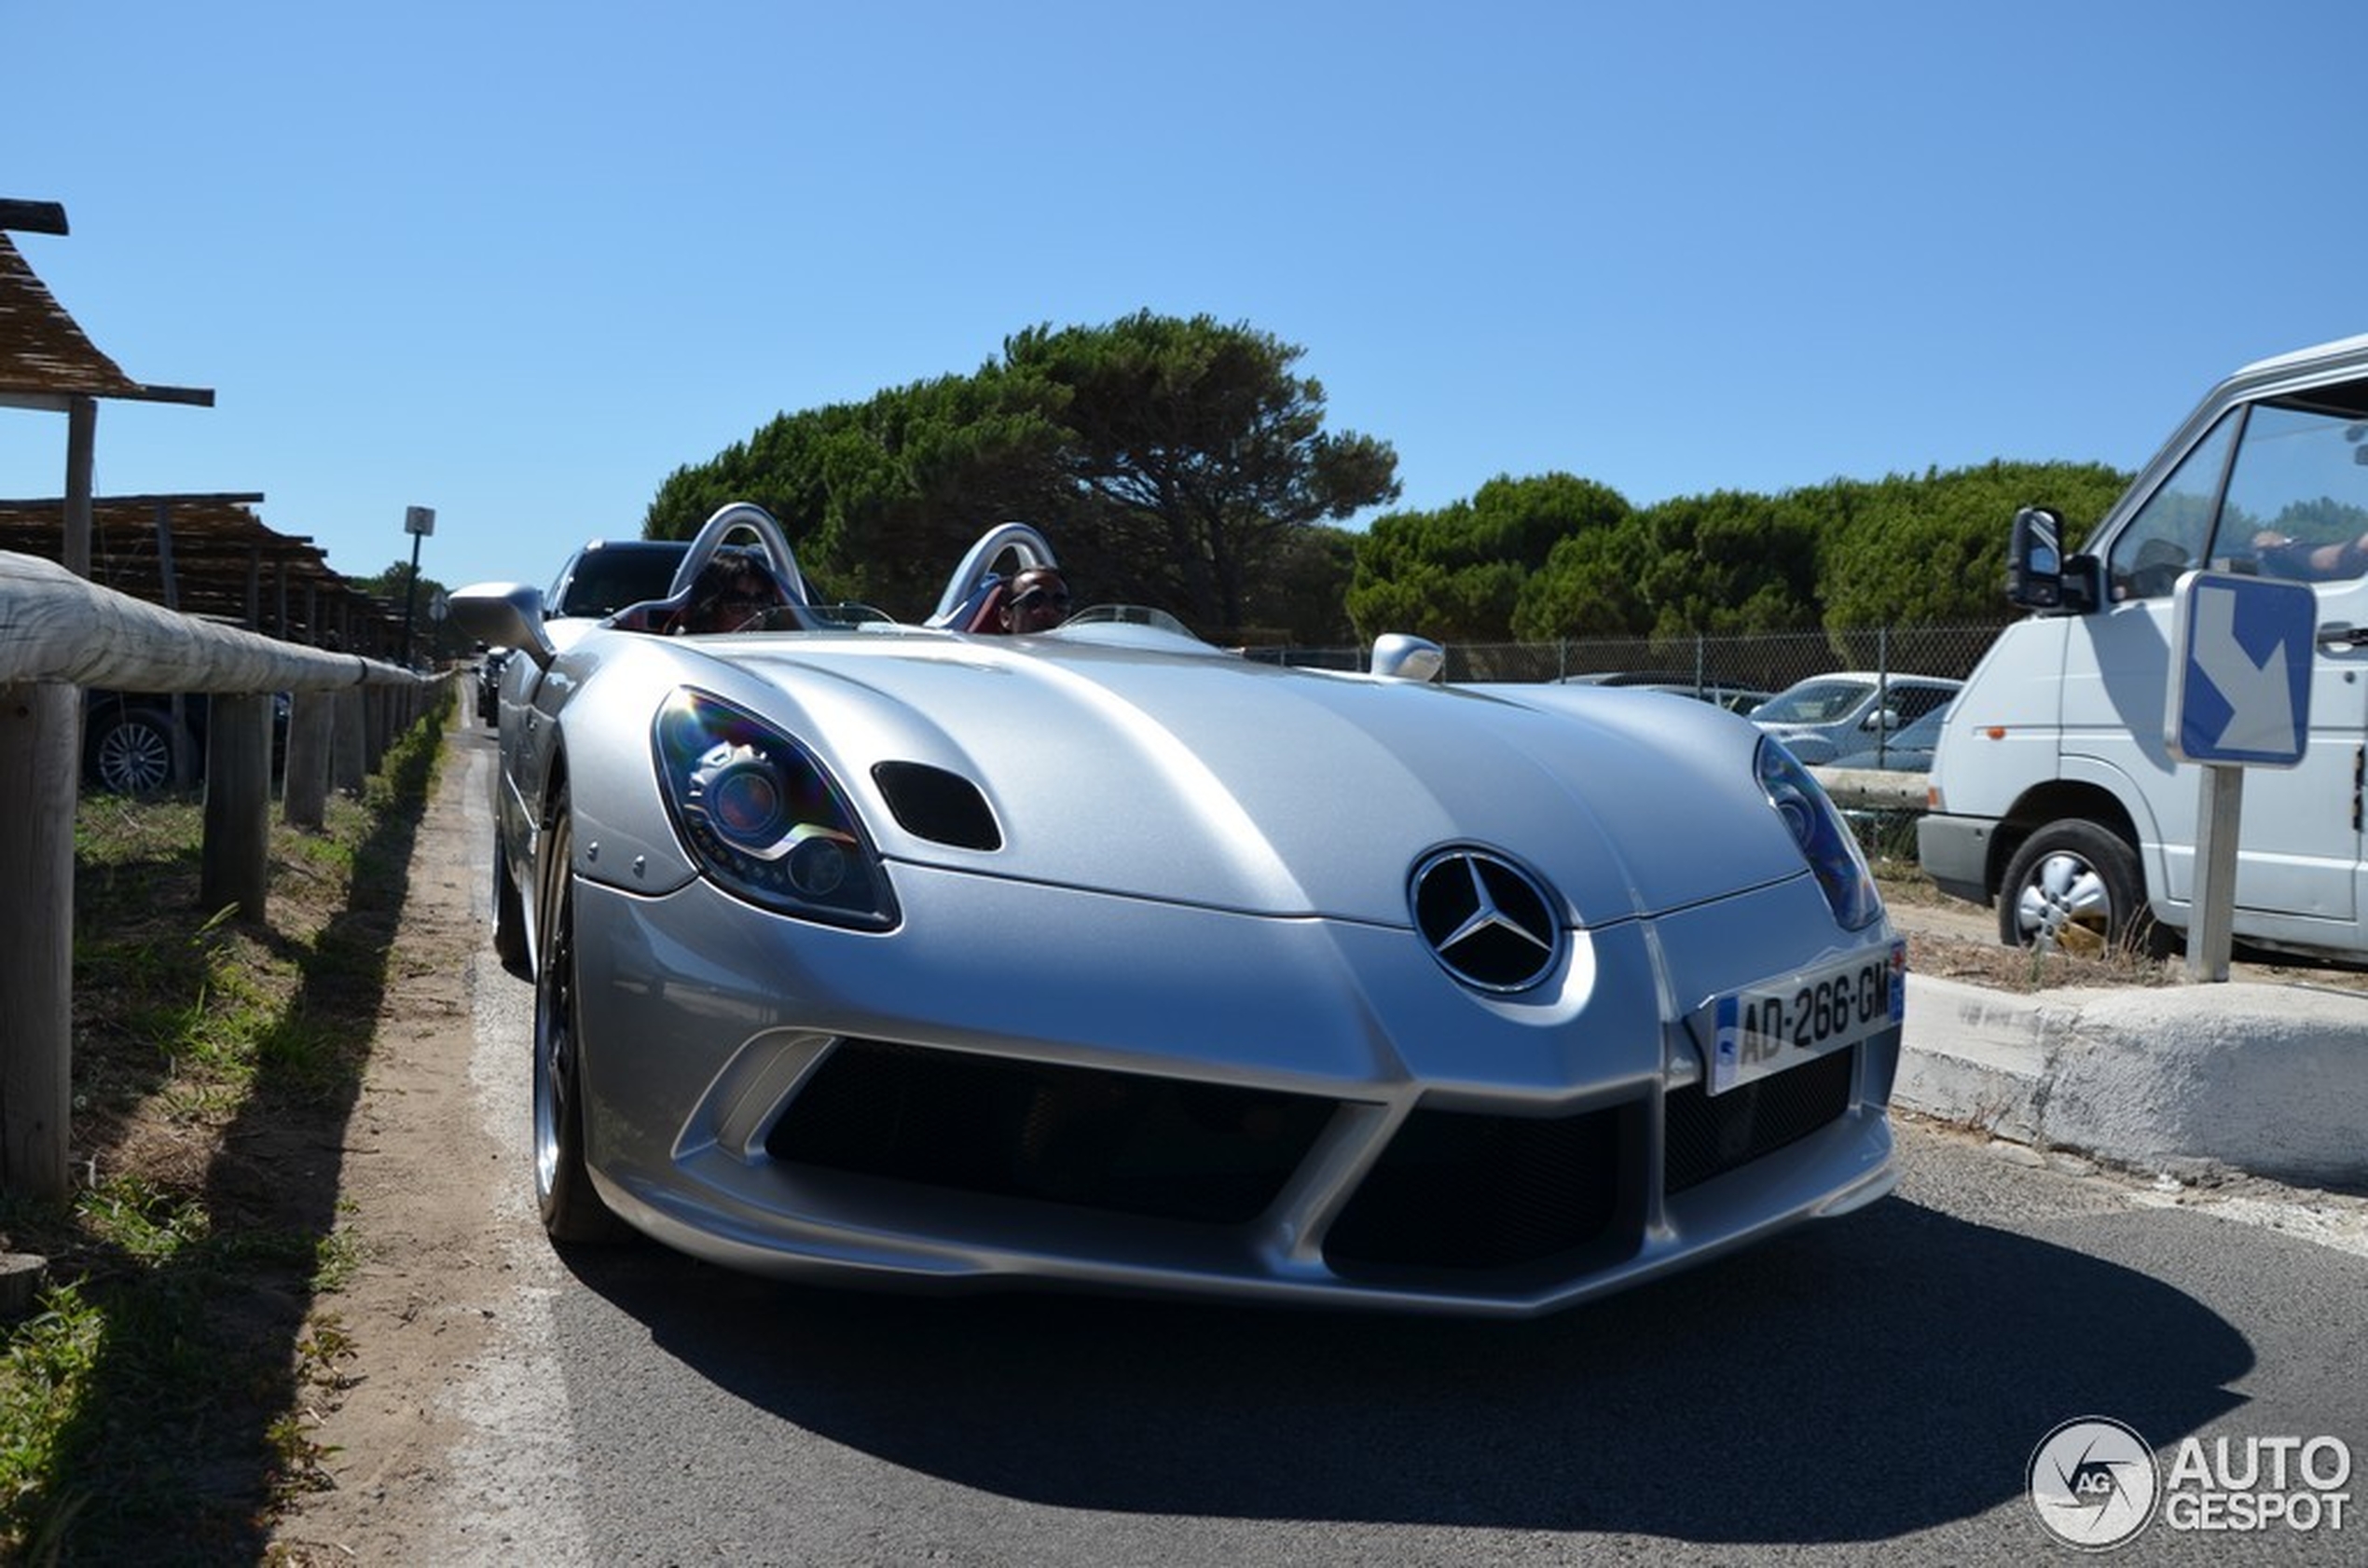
2240, 670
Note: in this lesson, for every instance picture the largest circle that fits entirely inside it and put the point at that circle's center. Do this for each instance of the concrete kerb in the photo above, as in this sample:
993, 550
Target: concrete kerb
2267, 1079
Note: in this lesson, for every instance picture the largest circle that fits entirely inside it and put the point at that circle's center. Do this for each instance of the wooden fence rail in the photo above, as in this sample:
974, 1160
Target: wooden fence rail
58, 634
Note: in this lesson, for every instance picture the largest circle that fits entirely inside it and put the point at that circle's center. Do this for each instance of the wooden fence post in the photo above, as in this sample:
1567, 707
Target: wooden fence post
235, 865
304, 775
374, 727
350, 763
40, 746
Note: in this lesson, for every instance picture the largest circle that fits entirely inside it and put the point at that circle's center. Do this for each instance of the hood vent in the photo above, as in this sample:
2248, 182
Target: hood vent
940, 807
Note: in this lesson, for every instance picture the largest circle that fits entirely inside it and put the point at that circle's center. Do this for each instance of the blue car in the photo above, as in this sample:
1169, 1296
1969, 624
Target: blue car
1909, 748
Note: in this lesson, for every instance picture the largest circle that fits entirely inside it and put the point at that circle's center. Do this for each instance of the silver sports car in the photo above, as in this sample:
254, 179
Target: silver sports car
1101, 958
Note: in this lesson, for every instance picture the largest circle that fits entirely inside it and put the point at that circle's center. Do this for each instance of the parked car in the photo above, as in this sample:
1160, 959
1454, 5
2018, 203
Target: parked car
606, 575
135, 743
876, 953
1907, 748
597, 579
490, 665
1735, 699
1826, 715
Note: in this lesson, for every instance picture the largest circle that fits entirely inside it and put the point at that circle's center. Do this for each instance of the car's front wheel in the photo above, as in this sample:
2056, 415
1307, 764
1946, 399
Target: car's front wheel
2076, 887
573, 1210
131, 749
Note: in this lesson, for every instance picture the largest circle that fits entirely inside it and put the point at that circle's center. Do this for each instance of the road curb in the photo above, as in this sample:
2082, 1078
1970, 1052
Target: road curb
2270, 1079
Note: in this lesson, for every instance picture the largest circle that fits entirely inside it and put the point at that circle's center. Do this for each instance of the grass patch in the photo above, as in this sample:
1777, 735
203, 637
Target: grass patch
151, 1408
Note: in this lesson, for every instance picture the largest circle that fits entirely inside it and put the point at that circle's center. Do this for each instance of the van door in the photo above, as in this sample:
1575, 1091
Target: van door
2275, 488
2299, 847
2296, 508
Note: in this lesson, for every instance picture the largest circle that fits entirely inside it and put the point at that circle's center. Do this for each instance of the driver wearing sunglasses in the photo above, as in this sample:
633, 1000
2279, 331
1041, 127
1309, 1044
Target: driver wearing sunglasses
1038, 600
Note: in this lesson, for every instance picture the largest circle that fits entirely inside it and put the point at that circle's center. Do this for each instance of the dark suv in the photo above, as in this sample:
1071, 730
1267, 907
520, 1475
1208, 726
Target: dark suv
606, 575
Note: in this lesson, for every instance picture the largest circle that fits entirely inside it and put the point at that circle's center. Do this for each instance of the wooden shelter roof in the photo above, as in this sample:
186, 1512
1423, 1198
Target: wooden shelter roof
224, 563
45, 358
203, 555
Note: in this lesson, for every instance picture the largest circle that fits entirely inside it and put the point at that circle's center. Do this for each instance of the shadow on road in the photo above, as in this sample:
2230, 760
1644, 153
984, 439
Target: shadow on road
1854, 1381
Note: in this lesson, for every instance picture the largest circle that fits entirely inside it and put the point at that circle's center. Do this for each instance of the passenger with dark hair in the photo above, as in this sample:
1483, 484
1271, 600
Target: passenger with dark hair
732, 590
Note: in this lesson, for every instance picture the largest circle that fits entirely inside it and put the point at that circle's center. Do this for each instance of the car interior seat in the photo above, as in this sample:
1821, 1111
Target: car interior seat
988, 616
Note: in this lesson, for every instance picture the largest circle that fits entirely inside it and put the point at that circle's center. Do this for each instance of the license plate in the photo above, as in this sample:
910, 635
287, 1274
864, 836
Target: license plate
1763, 1030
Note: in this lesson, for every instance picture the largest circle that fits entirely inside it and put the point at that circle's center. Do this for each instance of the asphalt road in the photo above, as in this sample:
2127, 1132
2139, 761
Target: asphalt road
1876, 1384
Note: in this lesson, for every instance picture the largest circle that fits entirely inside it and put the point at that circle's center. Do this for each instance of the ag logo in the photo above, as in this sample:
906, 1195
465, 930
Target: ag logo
2093, 1483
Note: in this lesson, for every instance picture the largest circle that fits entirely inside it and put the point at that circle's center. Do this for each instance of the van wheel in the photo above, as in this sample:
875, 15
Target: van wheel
2074, 888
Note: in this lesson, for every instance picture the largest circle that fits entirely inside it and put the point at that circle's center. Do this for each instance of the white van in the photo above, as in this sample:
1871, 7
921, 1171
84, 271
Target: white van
2053, 792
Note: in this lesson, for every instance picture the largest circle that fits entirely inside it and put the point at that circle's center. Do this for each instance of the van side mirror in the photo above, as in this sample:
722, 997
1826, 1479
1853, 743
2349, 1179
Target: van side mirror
2035, 561
2039, 576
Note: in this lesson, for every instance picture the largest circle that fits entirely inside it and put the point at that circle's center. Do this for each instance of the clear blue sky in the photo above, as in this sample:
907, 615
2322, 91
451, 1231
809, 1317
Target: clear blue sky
518, 260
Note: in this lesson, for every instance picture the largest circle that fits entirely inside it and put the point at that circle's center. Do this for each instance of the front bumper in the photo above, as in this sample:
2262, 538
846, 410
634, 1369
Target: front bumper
1954, 851
1065, 1089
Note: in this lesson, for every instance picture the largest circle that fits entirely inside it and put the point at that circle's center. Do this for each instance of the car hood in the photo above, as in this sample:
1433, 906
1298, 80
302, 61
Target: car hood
1214, 780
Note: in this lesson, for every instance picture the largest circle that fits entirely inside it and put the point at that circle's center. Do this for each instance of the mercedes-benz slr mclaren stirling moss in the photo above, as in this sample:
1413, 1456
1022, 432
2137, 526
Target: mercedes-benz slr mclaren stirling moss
1106, 958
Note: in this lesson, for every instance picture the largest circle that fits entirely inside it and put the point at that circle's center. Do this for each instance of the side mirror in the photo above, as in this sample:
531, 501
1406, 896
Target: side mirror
1400, 656
507, 615
2035, 561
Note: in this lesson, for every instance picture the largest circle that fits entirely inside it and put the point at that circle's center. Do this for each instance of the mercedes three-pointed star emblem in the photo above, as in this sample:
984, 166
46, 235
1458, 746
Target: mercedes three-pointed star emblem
1490, 923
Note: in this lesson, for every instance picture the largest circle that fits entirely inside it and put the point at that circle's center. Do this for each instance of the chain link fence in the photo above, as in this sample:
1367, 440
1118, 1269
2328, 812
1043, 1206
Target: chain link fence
1731, 669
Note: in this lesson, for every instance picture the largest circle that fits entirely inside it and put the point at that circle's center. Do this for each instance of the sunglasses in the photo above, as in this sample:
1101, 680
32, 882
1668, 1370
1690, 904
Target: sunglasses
1035, 596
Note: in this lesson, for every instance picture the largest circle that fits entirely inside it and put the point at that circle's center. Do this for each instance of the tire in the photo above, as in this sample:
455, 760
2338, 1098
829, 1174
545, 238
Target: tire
2074, 888
131, 749
573, 1210
509, 915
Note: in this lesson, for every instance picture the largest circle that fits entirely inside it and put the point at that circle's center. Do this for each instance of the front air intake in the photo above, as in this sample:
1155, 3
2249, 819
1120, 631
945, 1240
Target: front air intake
1709, 1134
1127, 1143
1468, 1191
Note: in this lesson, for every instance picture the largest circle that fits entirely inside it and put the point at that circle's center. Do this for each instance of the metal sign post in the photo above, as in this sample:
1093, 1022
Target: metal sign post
2239, 698
2219, 803
419, 522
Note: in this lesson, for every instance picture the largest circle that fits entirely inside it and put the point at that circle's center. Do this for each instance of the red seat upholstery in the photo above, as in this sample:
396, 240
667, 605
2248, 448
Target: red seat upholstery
989, 614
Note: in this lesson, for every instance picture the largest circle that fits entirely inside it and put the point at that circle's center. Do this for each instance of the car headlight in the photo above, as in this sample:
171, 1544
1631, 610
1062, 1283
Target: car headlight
761, 816
1826, 840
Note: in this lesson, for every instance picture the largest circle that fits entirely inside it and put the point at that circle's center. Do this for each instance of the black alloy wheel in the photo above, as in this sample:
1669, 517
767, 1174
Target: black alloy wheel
131, 750
571, 1208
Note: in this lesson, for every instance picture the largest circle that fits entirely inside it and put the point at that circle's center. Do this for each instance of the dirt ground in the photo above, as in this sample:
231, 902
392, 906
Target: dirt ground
1951, 938
441, 1270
